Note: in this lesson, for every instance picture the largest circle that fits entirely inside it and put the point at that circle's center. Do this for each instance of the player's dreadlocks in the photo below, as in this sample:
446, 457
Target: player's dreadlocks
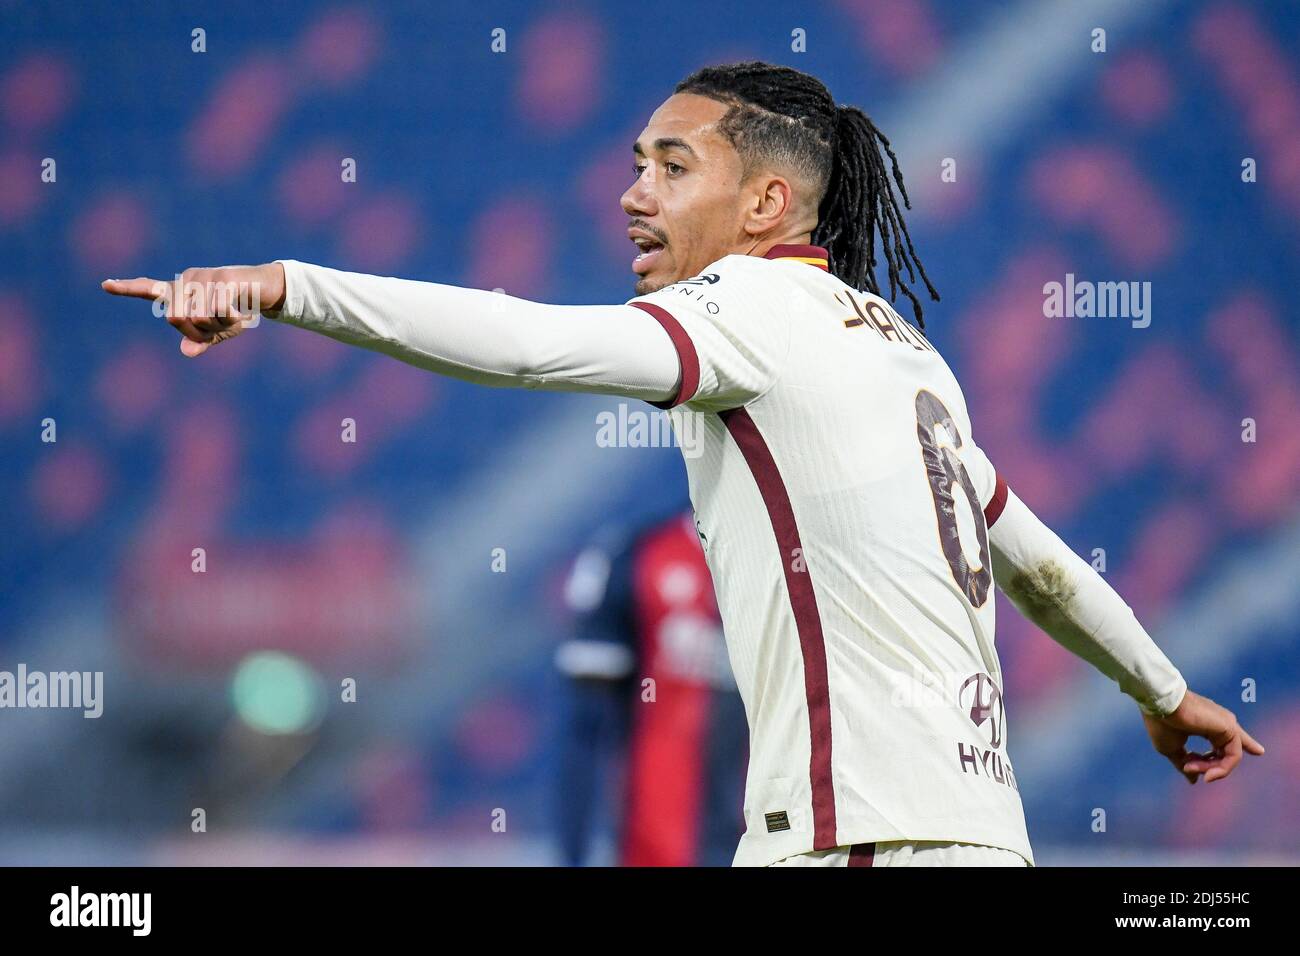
780, 114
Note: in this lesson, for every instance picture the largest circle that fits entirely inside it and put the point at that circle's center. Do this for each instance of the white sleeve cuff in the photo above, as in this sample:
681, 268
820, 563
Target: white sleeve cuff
291, 310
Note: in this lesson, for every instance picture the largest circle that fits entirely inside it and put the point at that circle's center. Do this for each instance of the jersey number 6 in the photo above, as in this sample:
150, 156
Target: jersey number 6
944, 470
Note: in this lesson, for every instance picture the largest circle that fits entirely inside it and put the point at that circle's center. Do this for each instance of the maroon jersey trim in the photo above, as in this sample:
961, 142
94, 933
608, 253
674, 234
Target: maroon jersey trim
690, 362
803, 602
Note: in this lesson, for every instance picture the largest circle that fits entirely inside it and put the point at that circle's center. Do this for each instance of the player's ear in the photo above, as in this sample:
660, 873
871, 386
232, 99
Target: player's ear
771, 199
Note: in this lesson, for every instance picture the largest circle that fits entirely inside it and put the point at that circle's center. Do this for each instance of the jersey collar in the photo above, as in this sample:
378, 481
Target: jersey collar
813, 255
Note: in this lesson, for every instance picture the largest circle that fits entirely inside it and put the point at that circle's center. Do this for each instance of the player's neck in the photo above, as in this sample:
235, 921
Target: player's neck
765, 245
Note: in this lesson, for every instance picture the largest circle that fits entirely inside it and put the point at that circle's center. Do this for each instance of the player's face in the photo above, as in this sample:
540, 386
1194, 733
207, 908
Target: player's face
685, 205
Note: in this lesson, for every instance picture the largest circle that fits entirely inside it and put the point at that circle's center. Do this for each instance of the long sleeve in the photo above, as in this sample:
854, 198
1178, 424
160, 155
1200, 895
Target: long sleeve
486, 337
1067, 598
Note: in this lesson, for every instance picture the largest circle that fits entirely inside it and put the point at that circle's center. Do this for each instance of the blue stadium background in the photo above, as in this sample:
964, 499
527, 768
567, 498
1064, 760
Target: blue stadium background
374, 560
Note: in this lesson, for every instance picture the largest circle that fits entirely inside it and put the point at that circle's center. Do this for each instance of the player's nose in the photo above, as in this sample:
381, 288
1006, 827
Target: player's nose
639, 200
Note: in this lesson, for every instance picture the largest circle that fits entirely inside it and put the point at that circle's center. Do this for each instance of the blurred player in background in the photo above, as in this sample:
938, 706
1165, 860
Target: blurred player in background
853, 526
650, 687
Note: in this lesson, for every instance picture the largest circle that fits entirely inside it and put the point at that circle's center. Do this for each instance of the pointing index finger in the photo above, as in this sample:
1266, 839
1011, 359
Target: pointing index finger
141, 288
1251, 744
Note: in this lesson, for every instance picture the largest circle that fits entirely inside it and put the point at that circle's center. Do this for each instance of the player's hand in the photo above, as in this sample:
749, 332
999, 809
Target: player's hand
208, 306
1199, 716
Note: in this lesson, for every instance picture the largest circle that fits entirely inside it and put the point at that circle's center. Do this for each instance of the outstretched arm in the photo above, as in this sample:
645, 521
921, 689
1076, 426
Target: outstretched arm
1067, 598
470, 334
1064, 596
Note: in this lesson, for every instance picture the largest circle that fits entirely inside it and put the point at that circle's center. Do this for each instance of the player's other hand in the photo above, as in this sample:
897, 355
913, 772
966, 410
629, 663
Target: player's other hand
1199, 716
208, 306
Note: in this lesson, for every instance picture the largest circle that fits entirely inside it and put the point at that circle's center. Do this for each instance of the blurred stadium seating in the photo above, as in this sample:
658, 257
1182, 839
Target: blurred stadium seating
374, 560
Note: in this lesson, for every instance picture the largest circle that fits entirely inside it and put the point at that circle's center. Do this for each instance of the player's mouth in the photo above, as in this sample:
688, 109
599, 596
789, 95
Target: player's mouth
649, 251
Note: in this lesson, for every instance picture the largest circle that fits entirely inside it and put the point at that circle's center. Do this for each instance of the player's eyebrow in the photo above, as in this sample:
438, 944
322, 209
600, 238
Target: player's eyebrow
664, 143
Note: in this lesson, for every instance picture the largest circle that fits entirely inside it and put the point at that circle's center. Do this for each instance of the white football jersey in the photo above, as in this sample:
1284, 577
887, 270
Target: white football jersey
843, 507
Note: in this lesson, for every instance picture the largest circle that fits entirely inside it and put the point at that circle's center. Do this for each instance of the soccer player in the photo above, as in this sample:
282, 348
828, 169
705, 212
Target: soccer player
853, 527
647, 672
